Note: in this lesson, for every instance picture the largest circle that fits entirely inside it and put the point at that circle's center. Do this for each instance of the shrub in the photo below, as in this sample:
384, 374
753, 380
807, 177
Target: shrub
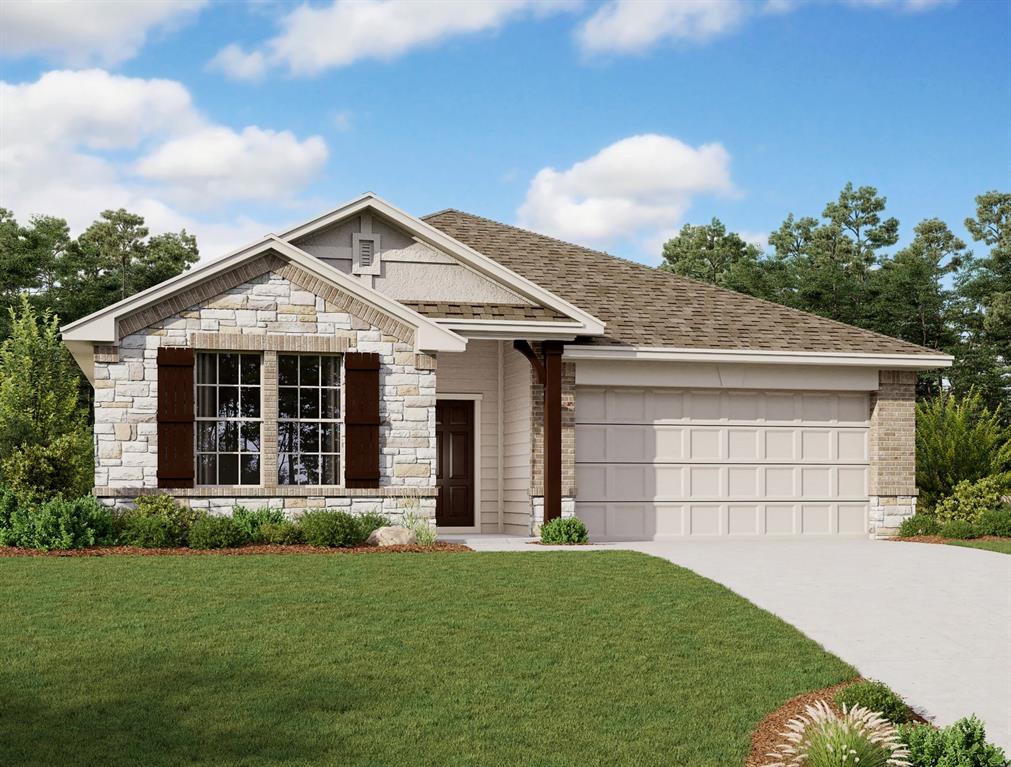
564, 530
252, 521
424, 533
970, 499
919, 524
9, 502
331, 528
877, 697
281, 533
959, 529
956, 440
371, 521
821, 738
995, 522
156, 521
59, 523
45, 441
963, 744
217, 533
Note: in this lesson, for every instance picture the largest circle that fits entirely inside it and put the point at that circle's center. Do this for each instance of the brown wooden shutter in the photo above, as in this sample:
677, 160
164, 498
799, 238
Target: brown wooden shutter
361, 419
175, 417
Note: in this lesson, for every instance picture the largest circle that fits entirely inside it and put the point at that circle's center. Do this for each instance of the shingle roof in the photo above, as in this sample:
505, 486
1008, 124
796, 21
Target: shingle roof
456, 310
643, 306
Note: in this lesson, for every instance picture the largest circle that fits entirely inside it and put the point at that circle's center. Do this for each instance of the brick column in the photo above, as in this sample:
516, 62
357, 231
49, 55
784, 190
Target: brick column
892, 452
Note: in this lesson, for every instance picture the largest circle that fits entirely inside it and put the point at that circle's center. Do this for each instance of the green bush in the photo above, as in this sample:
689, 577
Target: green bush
9, 503
564, 530
45, 440
963, 744
970, 499
877, 697
957, 440
995, 522
919, 524
252, 521
283, 533
336, 529
959, 529
156, 521
217, 533
371, 521
58, 523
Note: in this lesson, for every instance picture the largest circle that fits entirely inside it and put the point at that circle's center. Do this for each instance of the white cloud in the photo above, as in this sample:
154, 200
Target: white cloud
316, 38
80, 32
239, 65
633, 188
219, 163
630, 26
635, 26
77, 143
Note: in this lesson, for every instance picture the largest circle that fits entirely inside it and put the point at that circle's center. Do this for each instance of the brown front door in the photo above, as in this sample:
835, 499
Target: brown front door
454, 438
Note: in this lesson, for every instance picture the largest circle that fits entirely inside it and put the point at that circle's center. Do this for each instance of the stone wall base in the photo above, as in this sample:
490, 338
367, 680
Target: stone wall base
294, 507
537, 511
887, 513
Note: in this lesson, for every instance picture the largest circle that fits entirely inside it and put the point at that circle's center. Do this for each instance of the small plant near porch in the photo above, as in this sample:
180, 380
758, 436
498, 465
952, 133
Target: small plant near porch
564, 530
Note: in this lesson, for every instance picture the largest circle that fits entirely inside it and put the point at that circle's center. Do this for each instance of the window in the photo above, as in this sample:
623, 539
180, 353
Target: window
309, 414
228, 418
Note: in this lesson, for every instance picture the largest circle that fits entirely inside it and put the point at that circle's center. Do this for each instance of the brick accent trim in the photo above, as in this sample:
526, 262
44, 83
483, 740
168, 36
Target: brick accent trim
893, 434
346, 302
278, 342
199, 293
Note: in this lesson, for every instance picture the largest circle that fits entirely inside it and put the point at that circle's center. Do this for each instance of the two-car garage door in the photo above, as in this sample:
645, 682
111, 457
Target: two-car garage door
712, 462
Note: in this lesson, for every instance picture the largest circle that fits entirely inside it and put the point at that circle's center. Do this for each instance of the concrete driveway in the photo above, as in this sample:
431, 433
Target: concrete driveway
933, 622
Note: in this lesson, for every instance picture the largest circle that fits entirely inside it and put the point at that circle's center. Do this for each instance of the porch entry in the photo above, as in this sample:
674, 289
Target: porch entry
455, 476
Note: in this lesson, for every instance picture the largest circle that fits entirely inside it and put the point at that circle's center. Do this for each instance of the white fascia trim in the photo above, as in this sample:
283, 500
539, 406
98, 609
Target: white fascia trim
441, 241
100, 327
659, 354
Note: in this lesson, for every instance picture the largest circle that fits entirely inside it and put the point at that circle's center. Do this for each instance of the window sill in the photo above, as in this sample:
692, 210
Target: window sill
255, 491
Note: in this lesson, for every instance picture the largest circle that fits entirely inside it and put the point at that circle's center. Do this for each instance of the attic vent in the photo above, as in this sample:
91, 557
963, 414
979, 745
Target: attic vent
367, 253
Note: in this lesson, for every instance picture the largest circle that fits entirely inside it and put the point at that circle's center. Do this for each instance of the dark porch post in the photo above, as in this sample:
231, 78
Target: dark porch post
549, 375
552, 430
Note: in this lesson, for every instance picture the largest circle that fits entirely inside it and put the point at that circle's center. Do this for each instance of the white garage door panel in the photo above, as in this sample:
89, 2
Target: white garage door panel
668, 463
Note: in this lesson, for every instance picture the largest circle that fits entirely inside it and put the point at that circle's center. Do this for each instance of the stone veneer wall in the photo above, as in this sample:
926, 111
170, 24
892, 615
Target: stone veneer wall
892, 452
272, 311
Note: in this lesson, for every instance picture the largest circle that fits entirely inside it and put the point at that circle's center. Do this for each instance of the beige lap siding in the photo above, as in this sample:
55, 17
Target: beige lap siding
268, 305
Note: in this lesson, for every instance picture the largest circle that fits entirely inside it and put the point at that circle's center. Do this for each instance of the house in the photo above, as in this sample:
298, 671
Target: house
491, 378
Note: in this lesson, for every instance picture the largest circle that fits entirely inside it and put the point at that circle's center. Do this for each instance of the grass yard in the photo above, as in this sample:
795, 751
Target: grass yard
1001, 546
405, 659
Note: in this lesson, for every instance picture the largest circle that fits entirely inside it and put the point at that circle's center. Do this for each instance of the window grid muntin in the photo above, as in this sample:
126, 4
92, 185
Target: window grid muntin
303, 459
244, 423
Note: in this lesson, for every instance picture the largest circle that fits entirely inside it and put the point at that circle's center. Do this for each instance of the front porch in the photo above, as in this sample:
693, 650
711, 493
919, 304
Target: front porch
491, 433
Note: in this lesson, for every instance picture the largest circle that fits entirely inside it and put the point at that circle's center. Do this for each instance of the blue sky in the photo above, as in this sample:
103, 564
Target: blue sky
609, 124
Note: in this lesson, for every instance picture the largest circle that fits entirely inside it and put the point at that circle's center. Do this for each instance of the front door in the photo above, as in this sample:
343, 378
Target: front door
454, 439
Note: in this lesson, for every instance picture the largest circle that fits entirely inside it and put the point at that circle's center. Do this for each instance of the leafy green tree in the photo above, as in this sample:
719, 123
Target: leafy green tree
45, 442
113, 259
27, 256
708, 253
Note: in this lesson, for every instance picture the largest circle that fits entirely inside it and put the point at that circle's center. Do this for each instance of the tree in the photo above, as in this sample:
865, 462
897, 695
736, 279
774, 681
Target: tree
708, 253
45, 442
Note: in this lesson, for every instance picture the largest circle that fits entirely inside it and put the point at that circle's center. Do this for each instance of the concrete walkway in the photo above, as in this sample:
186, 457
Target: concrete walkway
933, 622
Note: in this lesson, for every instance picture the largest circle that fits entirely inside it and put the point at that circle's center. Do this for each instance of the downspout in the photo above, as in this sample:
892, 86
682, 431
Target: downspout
500, 446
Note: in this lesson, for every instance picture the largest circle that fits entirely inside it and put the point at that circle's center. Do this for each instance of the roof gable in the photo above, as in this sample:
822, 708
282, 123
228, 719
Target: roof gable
647, 307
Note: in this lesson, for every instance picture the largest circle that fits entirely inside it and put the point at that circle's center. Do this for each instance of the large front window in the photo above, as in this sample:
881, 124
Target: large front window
228, 418
309, 412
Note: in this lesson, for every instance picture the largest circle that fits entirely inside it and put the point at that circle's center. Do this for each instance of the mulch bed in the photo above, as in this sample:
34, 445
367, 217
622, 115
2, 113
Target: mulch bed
939, 539
769, 732
112, 551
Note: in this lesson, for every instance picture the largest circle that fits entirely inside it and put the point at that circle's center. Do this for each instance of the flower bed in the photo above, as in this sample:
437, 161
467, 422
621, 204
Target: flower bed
111, 551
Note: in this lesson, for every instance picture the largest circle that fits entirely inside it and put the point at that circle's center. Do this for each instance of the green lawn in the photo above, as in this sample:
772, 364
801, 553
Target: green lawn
1004, 546
493, 659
